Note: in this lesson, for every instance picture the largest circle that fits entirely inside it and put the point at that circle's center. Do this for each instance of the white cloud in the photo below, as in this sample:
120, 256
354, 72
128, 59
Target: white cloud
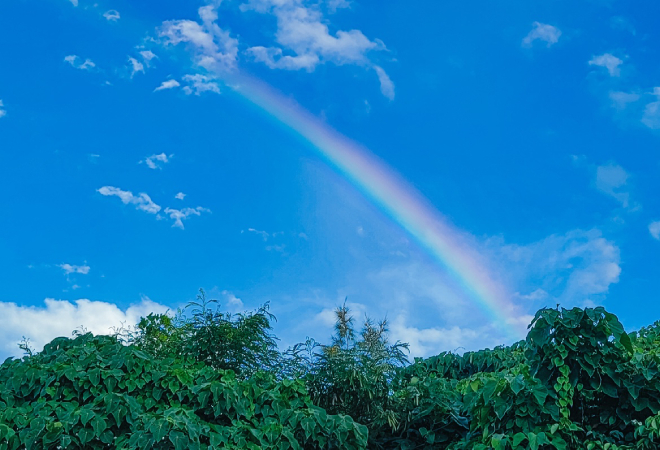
167, 84
542, 32
302, 41
570, 268
214, 49
620, 100
141, 201
154, 161
3, 112
178, 215
274, 58
427, 309
180, 196
198, 84
74, 60
111, 15
136, 66
651, 116
386, 84
69, 269
231, 302
536, 295
334, 5
654, 229
608, 61
148, 55
611, 179
431, 341
276, 248
302, 31
264, 234
56, 318
74, 2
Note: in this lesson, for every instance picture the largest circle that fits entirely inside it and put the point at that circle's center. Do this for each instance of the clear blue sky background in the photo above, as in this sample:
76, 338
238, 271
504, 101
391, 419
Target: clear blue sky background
532, 126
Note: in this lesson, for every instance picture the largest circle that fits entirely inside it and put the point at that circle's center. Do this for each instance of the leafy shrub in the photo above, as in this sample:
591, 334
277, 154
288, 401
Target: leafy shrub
94, 393
243, 342
213, 380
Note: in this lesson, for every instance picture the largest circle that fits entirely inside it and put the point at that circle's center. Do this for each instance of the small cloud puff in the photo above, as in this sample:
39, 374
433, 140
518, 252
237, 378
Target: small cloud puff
111, 15
542, 32
74, 60
180, 196
608, 61
69, 269
611, 179
141, 201
386, 84
154, 161
136, 66
148, 55
167, 84
198, 84
651, 117
654, 229
178, 215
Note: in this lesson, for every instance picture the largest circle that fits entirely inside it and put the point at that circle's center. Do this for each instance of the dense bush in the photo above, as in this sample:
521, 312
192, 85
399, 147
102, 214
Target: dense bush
94, 393
213, 380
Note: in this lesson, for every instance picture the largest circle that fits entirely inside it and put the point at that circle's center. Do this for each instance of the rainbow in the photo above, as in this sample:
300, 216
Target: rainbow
396, 197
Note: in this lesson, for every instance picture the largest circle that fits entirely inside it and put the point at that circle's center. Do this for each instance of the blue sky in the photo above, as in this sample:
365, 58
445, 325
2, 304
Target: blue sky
132, 175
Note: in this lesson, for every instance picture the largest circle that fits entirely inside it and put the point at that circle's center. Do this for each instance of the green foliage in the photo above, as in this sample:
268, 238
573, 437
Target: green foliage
354, 373
213, 380
242, 342
95, 393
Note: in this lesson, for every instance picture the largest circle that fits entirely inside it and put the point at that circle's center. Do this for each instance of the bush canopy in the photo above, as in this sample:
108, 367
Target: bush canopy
203, 379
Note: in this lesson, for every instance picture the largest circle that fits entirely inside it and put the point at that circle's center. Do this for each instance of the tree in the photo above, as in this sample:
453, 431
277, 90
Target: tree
243, 342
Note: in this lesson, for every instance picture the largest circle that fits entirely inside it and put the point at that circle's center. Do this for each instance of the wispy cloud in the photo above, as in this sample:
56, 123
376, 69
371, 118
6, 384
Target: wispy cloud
334, 5
136, 66
55, 318
214, 49
264, 234
3, 111
611, 179
198, 84
148, 55
621, 100
69, 269
608, 61
180, 196
74, 2
76, 63
179, 215
156, 161
141, 201
571, 268
651, 117
167, 84
542, 32
623, 24
112, 15
386, 84
654, 229
231, 302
